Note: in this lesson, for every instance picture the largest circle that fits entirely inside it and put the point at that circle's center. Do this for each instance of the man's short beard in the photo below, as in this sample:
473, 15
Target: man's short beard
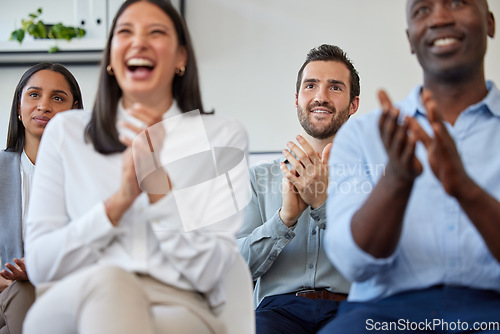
327, 131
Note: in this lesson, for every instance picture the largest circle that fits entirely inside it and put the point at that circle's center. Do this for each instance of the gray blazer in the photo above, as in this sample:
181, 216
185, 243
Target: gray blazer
11, 240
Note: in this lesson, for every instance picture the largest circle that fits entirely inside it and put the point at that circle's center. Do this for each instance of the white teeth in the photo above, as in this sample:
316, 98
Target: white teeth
445, 41
139, 62
321, 111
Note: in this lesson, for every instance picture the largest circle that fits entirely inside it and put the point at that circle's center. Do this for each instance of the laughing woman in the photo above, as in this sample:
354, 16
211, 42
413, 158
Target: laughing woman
43, 91
117, 258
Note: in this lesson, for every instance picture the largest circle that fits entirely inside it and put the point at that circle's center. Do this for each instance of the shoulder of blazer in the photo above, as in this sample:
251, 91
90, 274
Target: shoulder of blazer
10, 206
10, 174
9, 159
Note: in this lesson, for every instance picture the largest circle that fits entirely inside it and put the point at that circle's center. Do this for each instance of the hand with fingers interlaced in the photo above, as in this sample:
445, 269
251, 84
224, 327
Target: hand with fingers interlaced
306, 183
138, 150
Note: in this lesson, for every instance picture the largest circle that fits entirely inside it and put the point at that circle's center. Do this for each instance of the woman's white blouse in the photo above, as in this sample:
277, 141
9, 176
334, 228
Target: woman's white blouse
68, 229
27, 170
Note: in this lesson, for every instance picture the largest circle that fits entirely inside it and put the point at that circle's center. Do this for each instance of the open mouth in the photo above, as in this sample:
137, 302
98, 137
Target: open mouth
444, 46
321, 111
441, 42
140, 64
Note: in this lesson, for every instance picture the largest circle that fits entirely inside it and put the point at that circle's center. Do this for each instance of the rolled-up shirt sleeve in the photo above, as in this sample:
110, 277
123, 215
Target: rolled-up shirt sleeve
260, 240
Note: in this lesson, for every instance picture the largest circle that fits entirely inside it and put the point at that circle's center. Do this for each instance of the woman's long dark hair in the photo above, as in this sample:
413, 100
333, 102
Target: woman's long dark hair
101, 129
16, 136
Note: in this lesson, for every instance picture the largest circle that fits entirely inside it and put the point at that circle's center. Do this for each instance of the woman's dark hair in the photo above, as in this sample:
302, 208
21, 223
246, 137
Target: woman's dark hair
16, 135
101, 129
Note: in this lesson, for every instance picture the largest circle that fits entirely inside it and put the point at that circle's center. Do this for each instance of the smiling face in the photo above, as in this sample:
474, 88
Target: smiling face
145, 52
46, 93
323, 98
449, 36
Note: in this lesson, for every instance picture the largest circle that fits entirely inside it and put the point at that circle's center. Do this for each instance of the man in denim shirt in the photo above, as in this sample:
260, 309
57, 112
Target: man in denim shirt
297, 289
420, 240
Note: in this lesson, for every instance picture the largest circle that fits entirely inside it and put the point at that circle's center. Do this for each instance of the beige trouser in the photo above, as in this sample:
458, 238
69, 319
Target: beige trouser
14, 303
108, 299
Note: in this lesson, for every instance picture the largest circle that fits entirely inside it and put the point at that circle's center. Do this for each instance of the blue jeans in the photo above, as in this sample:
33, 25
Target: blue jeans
441, 309
293, 315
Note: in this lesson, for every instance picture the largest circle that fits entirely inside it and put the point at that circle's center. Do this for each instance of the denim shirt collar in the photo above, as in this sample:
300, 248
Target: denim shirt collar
413, 104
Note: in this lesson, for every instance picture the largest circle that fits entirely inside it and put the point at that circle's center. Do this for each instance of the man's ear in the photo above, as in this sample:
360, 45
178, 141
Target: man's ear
296, 100
491, 25
409, 41
354, 106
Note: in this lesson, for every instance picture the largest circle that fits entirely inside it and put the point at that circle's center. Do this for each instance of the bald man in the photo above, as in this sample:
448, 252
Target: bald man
420, 237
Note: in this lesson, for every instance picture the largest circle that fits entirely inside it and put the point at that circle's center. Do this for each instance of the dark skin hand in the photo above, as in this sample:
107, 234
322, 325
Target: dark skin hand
387, 202
481, 208
17, 272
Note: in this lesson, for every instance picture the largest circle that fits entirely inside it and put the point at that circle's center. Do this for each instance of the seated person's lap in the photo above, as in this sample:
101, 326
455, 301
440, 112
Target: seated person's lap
290, 314
440, 309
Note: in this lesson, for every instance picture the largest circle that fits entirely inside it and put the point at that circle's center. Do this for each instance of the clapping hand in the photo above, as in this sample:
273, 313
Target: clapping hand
443, 156
400, 145
306, 183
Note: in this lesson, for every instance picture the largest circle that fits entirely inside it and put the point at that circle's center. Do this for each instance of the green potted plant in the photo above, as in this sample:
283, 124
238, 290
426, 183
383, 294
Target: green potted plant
35, 27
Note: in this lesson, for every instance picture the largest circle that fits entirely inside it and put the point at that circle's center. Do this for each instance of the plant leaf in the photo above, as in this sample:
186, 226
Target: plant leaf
17, 35
55, 31
32, 29
35, 27
41, 30
81, 32
25, 24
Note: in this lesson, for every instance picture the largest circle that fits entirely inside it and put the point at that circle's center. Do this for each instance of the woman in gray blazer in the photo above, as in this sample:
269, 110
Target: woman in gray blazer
44, 90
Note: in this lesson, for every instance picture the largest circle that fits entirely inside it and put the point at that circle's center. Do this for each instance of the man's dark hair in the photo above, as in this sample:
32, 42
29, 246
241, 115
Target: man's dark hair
328, 52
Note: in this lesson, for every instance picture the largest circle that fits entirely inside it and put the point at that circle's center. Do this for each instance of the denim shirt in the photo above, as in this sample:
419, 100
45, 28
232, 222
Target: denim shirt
281, 259
438, 244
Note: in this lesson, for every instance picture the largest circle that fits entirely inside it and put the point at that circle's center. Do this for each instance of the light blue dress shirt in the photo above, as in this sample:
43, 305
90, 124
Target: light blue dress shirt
439, 244
281, 259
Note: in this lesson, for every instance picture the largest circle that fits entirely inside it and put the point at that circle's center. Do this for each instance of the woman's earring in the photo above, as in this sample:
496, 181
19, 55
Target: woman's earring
180, 71
110, 71
19, 118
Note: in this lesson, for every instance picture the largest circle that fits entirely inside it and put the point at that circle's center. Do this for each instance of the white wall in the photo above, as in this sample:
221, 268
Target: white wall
249, 52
